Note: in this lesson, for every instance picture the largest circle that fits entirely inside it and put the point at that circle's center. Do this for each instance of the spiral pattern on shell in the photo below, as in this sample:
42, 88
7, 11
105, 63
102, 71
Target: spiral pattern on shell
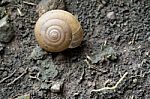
57, 30
56, 34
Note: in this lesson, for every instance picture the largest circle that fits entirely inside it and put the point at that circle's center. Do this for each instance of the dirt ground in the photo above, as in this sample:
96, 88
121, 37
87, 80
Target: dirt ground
113, 61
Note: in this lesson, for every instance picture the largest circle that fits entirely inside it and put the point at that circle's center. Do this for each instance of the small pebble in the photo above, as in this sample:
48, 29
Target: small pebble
57, 87
135, 80
21, 70
76, 94
6, 32
111, 15
5, 73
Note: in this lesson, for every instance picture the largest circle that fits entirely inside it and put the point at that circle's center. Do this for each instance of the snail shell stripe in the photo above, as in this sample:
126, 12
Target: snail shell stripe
53, 32
77, 37
55, 35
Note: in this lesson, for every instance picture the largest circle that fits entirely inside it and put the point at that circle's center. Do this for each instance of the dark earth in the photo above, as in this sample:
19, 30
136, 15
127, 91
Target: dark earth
113, 61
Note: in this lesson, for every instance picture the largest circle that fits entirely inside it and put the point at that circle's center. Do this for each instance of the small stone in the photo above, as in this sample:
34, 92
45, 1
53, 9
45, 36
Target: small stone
111, 15
6, 32
104, 1
5, 73
147, 53
21, 70
76, 94
40, 93
57, 87
135, 80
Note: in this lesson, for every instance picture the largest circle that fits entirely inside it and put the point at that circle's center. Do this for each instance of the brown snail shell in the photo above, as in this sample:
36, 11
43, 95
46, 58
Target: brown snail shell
57, 30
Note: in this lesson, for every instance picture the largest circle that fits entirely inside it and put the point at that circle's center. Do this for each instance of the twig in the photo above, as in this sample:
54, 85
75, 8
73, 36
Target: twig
19, 11
18, 77
105, 43
8, 76
111, 88
87, 62
29, 3
82, 76
34, 77
132, 97
88, 57
134, 37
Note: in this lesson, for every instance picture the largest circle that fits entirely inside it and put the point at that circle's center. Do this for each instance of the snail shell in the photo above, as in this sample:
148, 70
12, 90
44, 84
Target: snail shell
57, 30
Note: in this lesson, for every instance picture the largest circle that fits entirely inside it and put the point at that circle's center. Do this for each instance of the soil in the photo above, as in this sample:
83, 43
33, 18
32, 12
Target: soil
113, 61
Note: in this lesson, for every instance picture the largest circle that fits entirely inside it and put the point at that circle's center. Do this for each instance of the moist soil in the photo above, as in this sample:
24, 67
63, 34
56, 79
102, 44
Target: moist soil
113, 61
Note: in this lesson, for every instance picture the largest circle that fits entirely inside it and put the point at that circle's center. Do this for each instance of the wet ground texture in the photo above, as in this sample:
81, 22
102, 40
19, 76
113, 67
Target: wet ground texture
113, 61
